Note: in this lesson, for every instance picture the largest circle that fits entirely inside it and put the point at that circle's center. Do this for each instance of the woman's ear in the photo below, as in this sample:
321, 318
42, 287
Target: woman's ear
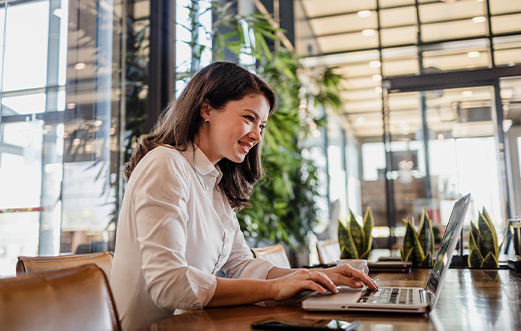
205, 111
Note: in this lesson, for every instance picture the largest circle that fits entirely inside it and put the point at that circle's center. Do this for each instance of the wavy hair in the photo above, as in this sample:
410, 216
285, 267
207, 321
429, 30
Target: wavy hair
217, 84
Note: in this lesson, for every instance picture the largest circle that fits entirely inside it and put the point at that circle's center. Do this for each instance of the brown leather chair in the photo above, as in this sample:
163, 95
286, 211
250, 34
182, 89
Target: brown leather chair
76, 298
29, 264
276, 254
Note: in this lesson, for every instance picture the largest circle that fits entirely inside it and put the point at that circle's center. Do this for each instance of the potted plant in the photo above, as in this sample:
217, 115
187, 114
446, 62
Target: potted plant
418, 246
355, 240
483, 243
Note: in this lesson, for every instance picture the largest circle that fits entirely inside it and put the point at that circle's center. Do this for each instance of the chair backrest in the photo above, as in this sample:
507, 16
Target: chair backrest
328, 251
76, 298
29, 264
276, 254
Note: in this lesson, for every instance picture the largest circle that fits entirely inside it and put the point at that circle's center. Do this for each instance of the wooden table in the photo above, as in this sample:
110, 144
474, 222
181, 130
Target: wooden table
469, 300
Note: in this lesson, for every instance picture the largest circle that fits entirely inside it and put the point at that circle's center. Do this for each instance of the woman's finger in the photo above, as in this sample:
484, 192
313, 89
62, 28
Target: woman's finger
323, 279
358, 276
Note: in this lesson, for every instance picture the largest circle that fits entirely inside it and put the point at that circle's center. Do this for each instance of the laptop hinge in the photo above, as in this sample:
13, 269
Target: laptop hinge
423, 296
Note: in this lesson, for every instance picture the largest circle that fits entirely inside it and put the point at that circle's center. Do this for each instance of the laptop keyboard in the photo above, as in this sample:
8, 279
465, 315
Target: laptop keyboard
388, 295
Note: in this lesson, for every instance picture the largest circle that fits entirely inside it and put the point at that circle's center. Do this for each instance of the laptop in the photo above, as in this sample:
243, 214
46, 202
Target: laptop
399, 299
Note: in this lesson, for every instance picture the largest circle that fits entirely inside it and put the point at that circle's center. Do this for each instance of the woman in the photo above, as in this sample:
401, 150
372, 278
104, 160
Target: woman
177, 226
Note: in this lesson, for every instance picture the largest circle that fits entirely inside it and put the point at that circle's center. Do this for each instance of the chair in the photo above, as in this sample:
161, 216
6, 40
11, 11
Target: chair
28, 264
276, 254
328, 251
76, 298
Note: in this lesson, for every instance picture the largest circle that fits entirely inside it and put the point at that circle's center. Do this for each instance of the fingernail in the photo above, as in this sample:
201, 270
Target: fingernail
336, 290
359, 284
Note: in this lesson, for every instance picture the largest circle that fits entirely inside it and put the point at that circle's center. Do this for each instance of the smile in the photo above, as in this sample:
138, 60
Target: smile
246, 146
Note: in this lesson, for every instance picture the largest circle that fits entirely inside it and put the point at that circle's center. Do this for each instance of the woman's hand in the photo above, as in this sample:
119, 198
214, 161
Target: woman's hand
346, 275
300, 280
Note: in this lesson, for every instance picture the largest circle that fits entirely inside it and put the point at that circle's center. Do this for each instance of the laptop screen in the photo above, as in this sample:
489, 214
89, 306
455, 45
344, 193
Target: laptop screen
447, 246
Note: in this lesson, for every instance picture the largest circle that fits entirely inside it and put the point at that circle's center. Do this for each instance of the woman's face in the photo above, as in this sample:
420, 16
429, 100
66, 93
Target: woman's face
232, 131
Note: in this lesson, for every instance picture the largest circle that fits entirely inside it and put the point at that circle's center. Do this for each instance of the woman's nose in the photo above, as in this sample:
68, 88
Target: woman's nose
256, 135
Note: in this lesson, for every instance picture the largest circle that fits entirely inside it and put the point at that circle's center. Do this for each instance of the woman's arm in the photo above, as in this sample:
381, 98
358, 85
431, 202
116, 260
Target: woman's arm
341, 275
231, 292
282, 284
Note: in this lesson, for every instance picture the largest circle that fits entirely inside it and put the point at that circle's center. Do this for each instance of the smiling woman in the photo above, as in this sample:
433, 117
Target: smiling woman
232, 131
177, 226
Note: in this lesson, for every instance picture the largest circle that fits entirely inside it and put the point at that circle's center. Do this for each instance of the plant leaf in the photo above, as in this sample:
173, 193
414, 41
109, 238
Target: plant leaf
490, 261
345, 253
408, 239
368, 230
474, 231
475, 259
357, 233
425, 235
493, 230
343, 235
351, 245
427, 261
419, 255
408, 256
488, 240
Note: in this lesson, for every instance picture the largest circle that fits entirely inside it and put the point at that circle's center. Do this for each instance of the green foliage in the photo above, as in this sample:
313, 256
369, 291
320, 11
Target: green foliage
284, 203
483, 244
418, 247
355, 240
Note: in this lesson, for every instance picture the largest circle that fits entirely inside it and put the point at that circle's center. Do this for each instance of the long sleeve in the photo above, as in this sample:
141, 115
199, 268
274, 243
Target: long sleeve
160, 200
241, 263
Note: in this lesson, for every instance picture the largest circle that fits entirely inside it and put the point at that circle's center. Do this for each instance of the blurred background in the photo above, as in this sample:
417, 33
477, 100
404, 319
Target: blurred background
388, 104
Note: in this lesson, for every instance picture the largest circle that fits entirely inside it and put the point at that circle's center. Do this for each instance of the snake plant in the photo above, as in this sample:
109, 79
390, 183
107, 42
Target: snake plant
483, 244
418, 247
355, 240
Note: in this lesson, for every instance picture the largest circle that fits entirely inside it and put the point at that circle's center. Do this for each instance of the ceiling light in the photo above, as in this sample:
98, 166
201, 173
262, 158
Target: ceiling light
375, 64
473, 54
478, 19
79, 66
364, 13
368, 32
441, 137
378, 89
449, 1
466, 94
71, 105
377, 78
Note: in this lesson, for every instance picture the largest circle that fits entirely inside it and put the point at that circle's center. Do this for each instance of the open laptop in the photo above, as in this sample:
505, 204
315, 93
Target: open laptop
399, 299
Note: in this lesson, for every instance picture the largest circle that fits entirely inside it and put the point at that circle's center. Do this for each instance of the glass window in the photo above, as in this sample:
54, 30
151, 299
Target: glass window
25, 63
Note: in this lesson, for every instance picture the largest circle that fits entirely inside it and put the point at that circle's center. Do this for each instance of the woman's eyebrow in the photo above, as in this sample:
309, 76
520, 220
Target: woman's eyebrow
256, 114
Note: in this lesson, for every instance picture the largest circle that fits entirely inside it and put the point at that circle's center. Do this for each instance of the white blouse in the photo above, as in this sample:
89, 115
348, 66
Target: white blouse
176, 230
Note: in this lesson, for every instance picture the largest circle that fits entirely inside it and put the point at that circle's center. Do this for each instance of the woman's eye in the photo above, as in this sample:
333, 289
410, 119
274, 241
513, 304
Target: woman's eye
249, 118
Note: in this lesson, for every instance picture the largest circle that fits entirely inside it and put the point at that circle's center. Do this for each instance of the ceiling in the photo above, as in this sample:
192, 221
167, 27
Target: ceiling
368, 43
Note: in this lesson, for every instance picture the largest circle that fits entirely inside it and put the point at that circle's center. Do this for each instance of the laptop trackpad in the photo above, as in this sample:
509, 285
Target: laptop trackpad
345, 295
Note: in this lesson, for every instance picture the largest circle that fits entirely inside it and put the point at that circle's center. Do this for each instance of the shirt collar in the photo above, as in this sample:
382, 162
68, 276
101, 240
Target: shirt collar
200, 161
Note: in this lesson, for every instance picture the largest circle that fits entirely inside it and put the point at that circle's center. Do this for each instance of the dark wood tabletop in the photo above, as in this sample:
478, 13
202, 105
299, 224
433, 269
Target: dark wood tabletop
469, 300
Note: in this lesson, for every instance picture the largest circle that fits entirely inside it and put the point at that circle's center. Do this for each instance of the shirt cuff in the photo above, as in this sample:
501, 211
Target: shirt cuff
257, 269
203, 287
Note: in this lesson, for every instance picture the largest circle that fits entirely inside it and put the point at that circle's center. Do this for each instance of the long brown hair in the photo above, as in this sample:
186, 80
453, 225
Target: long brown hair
217, 84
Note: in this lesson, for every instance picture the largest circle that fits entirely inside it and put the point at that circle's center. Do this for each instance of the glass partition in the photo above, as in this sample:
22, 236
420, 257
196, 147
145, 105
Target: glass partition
443, 146
60, 126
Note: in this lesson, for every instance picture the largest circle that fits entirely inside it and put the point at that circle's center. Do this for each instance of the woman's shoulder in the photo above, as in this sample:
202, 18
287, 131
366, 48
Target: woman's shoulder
161, 161
163, 153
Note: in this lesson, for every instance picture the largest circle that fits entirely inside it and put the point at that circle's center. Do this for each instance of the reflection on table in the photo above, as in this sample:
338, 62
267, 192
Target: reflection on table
469, 300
